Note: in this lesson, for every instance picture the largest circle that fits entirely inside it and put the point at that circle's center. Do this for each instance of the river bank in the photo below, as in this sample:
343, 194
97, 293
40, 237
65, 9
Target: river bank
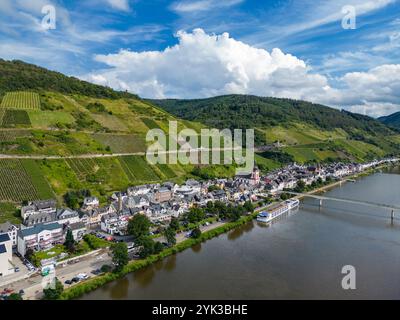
94, 283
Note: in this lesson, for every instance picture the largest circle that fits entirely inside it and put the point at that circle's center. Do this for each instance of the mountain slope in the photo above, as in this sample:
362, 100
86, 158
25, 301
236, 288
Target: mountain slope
392, 120
307, 131
96, 137
17, 75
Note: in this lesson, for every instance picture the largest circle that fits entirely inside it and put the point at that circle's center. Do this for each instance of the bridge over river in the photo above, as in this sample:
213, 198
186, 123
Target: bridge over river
321, 198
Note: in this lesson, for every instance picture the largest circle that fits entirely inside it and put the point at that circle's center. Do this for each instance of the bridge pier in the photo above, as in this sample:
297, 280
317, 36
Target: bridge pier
392, 217
320, 203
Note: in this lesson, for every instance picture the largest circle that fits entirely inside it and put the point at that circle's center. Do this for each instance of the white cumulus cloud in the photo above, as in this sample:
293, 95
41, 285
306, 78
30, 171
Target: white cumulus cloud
203, 65
119, 4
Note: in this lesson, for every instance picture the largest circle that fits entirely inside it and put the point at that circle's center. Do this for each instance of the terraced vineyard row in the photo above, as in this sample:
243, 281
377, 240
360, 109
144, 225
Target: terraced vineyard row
166, 171
11, 135
12, 118
83, 167
21, 100
21, 180
137, 168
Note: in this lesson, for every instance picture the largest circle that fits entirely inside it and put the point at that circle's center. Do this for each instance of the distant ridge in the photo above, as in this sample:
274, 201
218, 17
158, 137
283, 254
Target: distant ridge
392, 120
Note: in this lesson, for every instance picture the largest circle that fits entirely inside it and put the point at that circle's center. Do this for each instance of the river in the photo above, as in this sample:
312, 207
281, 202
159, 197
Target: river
298, 257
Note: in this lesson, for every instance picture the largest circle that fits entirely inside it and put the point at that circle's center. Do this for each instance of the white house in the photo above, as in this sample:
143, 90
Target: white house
114, 224
40, 237
67, 216
11, 230
6, 266
39, 207
91, 202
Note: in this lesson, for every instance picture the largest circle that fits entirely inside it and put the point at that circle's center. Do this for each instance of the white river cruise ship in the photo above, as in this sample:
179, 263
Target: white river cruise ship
271, 214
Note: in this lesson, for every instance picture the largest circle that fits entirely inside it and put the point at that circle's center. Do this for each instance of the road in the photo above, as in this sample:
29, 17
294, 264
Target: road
106, 155
33, 286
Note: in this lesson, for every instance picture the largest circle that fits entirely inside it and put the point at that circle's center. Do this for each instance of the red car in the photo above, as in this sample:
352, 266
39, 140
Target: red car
7, 291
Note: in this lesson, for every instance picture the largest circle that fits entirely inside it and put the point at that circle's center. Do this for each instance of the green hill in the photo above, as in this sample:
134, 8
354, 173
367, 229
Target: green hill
61, 136
46, 114
20, 76
307, 132
392, 120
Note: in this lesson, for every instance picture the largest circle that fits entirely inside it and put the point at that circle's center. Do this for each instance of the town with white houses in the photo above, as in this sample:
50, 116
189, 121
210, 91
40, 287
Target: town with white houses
45, 225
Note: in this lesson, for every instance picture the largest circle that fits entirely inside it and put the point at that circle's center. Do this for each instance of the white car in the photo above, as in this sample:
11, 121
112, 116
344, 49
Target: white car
82, 276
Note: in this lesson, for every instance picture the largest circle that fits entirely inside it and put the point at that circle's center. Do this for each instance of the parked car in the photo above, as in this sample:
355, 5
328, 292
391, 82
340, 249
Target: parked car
95, 272
68, 282
82, 276
16, 269
75, 279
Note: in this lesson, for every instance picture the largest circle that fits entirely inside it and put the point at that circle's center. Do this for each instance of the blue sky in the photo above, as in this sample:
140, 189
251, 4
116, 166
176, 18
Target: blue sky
110, 42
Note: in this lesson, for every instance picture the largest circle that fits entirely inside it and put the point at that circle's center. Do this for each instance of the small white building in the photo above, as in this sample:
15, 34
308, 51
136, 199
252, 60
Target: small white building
92, 202
6, 266
11, 230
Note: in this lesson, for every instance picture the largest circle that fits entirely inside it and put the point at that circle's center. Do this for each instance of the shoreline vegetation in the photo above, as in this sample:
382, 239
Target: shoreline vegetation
92, 284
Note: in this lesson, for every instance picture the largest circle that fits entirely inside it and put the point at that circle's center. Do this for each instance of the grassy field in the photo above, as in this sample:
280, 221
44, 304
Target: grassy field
8, 212
48, 119
102, 174
60, 176
21, 100
121, 143
110, 122
299, 134
150, 123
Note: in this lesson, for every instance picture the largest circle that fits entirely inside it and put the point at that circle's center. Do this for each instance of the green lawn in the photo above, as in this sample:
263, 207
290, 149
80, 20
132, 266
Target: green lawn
121, 143
8, 212
46, 119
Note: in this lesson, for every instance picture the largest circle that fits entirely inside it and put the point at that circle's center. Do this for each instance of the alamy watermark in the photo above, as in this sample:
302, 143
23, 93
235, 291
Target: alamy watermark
349, 20
49, 21
349, 280
189, 147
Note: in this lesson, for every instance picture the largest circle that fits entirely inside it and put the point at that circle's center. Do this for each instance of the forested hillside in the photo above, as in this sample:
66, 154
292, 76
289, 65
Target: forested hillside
306, 132
243, 111
392, 120
17, 75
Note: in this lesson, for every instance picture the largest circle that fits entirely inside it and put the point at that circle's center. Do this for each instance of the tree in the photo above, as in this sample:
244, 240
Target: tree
196, 233
300, 186
158, 247
69, 241
235, 213
120, 255
196, 215
147, 245
174, 224
14, 296
53, 292
169, 234
139, 226
29, 253
249, 206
